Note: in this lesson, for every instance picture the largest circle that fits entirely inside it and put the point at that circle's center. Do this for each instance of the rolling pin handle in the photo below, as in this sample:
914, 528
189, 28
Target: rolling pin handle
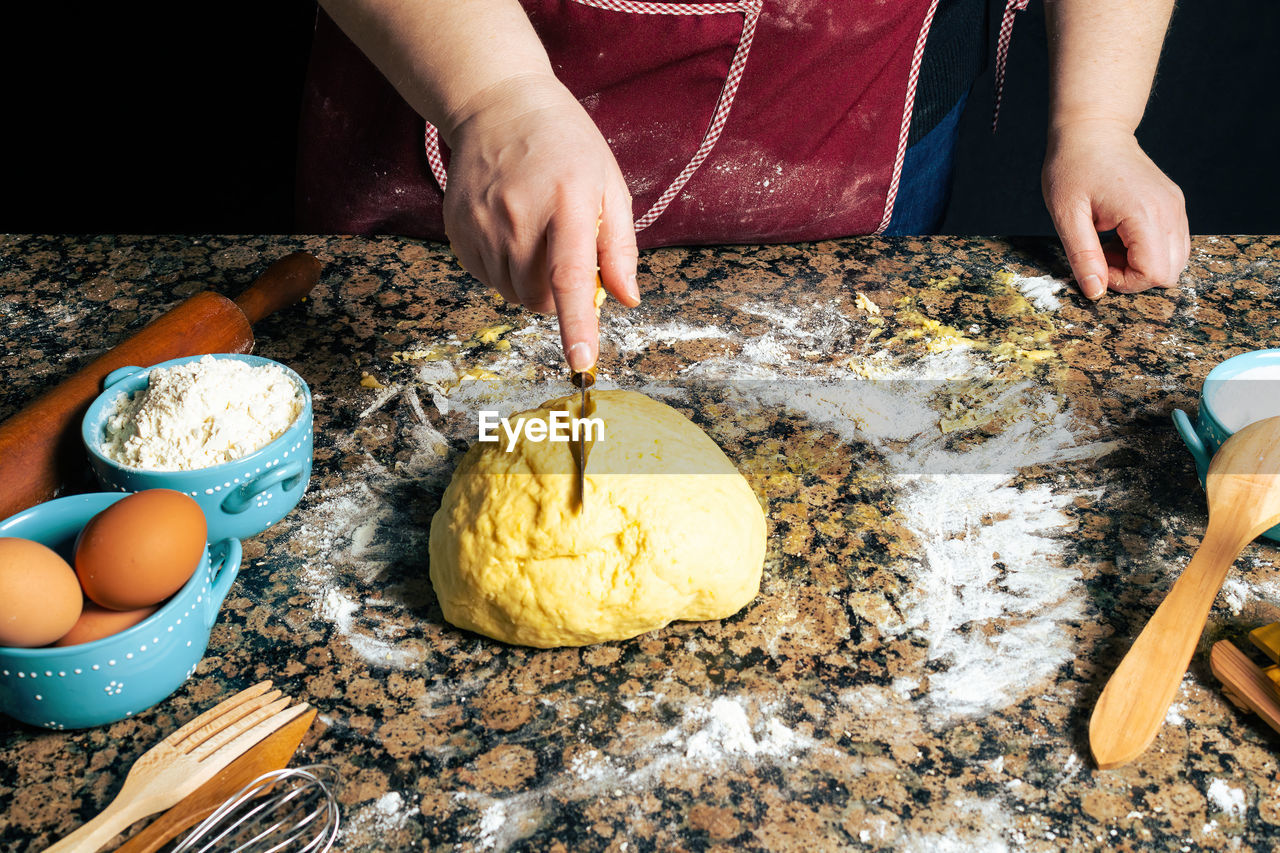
280, 285
118, 374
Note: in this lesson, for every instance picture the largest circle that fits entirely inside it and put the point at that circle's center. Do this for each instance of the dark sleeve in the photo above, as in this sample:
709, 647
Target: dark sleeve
954, 56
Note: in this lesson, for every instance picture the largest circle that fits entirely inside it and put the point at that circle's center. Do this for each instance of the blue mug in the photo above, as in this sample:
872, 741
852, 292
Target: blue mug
240, 499
92, 684
1207, 434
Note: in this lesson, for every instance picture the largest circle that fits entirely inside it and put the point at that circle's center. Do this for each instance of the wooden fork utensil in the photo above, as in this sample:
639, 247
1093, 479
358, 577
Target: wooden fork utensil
185, 760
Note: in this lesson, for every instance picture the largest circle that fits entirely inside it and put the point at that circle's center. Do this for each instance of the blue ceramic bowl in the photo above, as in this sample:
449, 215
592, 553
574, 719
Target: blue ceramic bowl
241, 498
116, 677
1206, 435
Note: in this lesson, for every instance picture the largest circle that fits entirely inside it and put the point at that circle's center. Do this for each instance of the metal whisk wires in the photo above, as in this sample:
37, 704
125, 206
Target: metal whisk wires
292, 810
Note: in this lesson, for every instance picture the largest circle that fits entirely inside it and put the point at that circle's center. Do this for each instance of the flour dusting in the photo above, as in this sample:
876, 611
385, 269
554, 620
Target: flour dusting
1226, 798
992, 553
708, 736
1042, 291
377, 819
992, 585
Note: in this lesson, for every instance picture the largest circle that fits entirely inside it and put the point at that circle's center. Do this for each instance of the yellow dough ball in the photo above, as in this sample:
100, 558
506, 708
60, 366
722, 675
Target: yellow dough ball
670, 531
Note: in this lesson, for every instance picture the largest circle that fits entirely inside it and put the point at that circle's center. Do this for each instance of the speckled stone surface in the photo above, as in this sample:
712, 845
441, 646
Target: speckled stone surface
975, 500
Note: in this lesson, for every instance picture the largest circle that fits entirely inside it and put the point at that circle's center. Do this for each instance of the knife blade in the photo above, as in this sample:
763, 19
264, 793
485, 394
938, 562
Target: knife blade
583, 380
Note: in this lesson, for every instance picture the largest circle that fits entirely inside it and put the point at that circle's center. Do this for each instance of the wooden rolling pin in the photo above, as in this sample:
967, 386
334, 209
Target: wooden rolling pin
40, 447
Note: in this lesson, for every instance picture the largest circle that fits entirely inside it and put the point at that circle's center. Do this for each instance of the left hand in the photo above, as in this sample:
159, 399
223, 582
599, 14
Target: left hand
1097, 178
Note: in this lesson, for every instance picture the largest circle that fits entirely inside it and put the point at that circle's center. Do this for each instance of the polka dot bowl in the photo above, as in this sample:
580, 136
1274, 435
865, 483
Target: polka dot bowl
96, 683
240, 499
1207, 433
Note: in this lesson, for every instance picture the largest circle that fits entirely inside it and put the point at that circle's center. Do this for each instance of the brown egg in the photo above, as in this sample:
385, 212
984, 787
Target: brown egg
97, 622
141, 549
39, 595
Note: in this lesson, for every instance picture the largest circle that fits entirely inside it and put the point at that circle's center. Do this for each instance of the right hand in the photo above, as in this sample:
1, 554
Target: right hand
535, 202
1097, 178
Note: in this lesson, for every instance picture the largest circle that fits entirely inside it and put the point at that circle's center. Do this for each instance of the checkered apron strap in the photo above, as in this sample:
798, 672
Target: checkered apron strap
1011, 9
750, 11
904, 131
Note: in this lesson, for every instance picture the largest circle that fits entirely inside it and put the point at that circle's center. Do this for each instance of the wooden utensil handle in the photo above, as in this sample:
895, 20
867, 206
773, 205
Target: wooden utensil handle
115, 818
1133, 705
1246, 681
283, 283
40, 447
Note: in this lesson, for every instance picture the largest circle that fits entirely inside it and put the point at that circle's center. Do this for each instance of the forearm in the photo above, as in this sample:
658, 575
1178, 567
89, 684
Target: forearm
446, 58
1103, 58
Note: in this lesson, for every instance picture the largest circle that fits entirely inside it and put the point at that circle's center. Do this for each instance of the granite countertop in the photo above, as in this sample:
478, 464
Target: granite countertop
975, 500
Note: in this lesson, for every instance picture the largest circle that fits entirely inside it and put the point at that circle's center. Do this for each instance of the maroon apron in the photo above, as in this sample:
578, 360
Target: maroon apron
735, 122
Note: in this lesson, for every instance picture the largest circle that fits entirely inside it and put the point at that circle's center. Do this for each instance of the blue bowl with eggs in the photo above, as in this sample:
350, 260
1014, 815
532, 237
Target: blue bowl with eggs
1237, 392
240, 498
99, 682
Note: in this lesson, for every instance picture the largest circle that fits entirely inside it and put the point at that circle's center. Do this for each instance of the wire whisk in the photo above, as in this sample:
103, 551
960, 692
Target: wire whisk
292, 810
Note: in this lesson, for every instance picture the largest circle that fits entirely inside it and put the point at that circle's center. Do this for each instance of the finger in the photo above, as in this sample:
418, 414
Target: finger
496, 272
1117, 262
470, 260
1084, 252
502, 283
616, 247
1148, 255
1177, 260
571, 272
1182, 242
528, 270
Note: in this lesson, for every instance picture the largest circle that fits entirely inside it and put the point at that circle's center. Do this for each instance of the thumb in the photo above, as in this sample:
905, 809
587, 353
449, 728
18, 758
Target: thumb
1084, 250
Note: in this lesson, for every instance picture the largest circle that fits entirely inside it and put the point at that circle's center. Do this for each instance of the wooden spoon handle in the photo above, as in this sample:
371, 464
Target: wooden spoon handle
110, 822
1133, 705
280, 285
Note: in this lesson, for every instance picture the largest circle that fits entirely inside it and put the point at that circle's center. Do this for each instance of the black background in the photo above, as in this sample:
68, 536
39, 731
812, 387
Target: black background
155, 119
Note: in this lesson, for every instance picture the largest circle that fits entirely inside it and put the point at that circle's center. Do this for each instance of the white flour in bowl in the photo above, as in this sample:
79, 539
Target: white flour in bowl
201, 413
1250, 396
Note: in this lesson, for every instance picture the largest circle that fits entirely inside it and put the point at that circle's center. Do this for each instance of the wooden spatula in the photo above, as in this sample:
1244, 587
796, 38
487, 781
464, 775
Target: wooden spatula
271, 753
1243, 485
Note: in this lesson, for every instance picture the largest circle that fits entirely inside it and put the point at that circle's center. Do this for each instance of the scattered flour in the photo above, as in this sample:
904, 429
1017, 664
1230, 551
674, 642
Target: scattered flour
726, 730
1042, 291
993, 583
1173, 716
995, 821
707, 737
632, 337
993, 554
1226, 799
384, 815
341, 611
1235, 594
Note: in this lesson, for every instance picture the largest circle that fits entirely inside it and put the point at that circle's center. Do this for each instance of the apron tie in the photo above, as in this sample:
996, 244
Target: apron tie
1011, 9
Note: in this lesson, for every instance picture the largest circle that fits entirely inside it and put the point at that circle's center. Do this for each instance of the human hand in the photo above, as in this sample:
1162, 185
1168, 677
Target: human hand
1097, 178
535, 202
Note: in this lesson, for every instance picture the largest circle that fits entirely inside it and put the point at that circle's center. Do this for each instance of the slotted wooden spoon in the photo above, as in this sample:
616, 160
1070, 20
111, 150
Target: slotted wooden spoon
1243, 486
